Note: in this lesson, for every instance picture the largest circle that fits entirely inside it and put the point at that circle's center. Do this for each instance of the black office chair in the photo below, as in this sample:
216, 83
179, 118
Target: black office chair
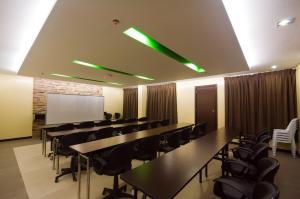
258, 152
88, 124
107, 116
131, 120
144, 126
146, 149
117, 116
129, 129
117, 162
172, 142
142, 119
63, 149
120, 121
154, 124
225, 188
185, 136
104, 123
165, 122
263, 136
199, 130
264, 170
102, 134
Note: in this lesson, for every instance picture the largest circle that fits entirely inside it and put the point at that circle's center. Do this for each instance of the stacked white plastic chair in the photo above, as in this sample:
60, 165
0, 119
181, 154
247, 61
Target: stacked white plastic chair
286, 136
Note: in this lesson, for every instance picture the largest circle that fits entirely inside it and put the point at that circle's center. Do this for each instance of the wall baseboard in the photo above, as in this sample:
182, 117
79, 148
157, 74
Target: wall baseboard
19, 138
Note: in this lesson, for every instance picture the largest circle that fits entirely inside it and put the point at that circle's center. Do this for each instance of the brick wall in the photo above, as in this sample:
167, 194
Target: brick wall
43, 86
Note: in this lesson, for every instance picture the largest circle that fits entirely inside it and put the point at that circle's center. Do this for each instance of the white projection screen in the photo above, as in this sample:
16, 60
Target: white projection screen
73, 108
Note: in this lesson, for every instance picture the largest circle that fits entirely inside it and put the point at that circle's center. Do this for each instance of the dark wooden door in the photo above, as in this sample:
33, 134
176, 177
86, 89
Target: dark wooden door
206, 106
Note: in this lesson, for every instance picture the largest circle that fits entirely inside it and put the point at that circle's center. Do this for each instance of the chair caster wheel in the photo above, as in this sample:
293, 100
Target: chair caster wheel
56, 180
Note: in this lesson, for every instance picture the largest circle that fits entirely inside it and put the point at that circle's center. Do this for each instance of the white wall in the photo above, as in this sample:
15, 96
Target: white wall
113, 99
15, 106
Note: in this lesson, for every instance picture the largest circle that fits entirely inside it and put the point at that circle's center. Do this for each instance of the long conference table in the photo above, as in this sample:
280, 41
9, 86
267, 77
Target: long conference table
85, 149
166, 176
55, 134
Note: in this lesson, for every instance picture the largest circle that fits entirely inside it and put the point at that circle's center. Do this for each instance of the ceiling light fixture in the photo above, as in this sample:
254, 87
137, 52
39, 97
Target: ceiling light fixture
82, 63
286, 21
150, 42
274, 66
82, 78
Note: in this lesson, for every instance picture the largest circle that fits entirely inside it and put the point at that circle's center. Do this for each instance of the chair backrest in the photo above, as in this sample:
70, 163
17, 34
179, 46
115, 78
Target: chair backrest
104, 133
120, 157
129, 129
143, 119
148, 145
264, 139
107, 116
293, 127
72, 139
165, 122
117, 115
104, 123
65, 127
155, 124
144, 126
185, 133
260, 151
199, 129
265, 190
267, 169
87, 124
131, 120
262, 133
120, 121
174, 139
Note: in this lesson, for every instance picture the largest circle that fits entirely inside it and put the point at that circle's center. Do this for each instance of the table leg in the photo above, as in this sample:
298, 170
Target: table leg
223, 158
54, 153
134, 193
79, 176
200, 176
43, 142
88, 175
206, 172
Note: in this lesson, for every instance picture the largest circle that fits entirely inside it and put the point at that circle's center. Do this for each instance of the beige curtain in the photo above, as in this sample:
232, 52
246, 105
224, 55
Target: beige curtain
162, 102
130, 103
263, 100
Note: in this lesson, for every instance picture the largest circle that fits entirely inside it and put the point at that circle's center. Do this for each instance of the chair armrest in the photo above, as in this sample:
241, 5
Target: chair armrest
237, 168
235, 185
98, 164
243, 153
247, 143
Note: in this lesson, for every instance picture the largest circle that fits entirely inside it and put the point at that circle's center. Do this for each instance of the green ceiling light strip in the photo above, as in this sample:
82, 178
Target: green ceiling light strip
82, 63
82, 78
150, 42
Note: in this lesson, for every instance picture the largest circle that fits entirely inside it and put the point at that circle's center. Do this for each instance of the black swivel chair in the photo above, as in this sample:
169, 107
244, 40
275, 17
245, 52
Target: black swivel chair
146, 149
63, 149
185, 136
129, 129
115, 163
102, 134
242, 185
263, 136
199, 130
154, 124
165, 122
107, 116
227, 189
104, 123
144, 126
172, 142
142, 119
88, 124
117, 116
258, 152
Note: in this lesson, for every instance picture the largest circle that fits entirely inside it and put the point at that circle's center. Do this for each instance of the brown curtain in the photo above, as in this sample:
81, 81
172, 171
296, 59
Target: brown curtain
162, 102
263, 100
130, 103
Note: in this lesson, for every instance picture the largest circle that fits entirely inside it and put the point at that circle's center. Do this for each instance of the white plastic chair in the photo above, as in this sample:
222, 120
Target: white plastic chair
286, 136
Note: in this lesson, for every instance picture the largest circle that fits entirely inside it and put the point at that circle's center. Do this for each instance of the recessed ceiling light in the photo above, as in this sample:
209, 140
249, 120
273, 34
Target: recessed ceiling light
286, 21
82, 78
274, 66
82, 63
150, 42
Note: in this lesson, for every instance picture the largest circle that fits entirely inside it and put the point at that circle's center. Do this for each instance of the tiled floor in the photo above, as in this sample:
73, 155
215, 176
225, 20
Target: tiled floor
12, 185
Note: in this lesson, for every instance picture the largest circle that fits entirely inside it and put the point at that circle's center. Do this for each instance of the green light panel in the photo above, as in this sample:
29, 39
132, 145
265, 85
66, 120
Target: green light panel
82, 63
150, 42
82, 78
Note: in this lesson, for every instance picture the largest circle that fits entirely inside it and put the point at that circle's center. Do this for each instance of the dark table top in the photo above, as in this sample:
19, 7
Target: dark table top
95, 128
113, 141
167, 175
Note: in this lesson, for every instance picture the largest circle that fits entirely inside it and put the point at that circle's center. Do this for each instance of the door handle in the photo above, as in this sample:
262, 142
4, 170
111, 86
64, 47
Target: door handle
213, 110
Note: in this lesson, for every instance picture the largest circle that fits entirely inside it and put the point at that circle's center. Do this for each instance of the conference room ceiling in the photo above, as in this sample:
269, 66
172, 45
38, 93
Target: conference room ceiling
199, 31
